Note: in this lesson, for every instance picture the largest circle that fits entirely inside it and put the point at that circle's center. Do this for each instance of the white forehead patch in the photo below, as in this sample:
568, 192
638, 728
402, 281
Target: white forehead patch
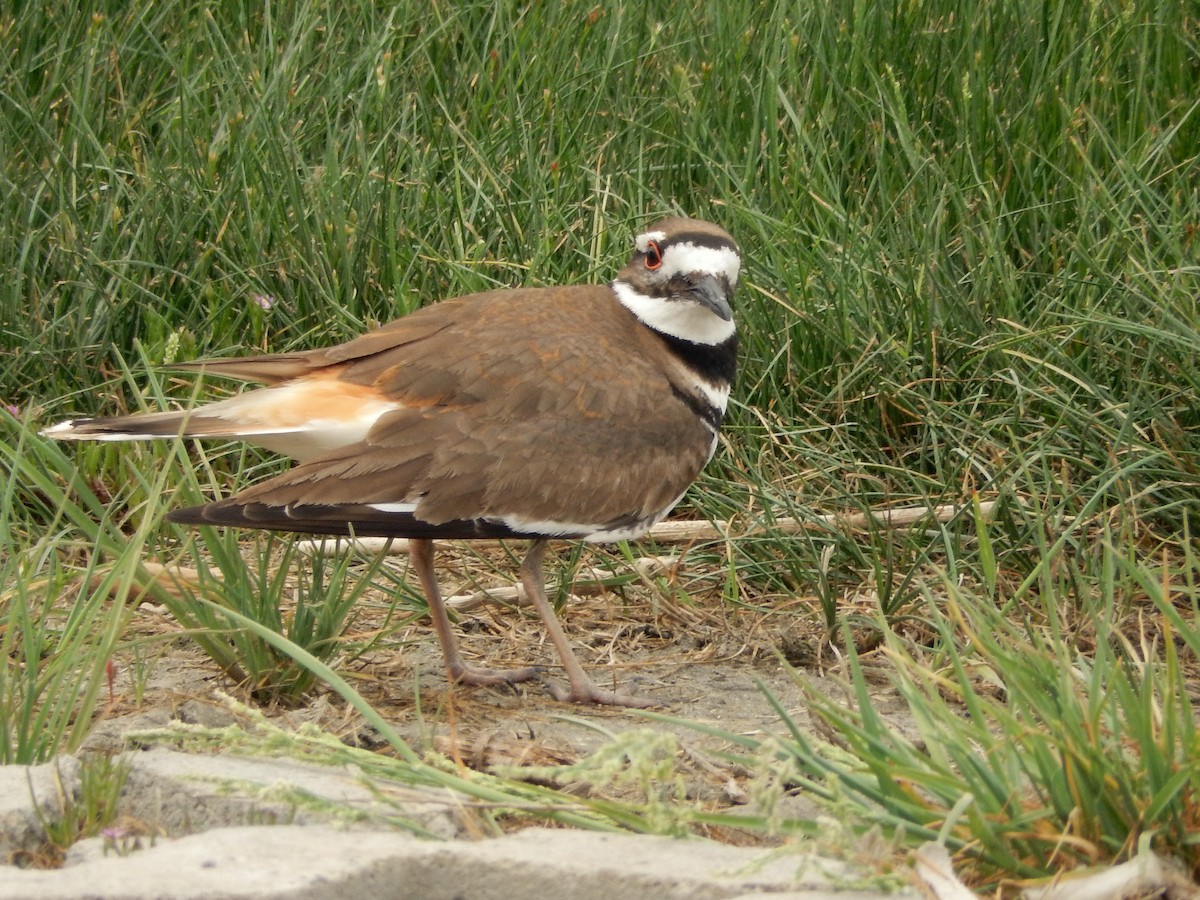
643, 240
685, 258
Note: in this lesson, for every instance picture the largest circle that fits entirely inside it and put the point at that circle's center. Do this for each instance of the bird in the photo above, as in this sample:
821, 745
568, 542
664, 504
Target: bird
576, 412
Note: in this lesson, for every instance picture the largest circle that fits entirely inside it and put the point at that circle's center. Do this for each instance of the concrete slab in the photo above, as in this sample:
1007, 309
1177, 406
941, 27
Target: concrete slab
224, 826
319, 862
30, 796
183, 793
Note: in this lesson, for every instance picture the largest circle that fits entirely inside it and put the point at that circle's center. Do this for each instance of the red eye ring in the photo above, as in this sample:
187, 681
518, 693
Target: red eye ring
654, 257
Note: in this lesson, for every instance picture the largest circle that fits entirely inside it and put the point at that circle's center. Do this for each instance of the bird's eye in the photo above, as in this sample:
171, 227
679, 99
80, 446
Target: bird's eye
654, 257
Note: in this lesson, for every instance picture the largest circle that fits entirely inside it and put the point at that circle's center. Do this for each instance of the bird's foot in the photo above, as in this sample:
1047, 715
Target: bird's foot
464, 674
587, 692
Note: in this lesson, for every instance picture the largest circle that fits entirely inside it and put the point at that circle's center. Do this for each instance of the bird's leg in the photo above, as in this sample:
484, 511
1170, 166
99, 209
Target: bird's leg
421, 553
582, 689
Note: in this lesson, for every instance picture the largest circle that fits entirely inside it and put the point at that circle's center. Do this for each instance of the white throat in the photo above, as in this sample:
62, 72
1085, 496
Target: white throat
684, 319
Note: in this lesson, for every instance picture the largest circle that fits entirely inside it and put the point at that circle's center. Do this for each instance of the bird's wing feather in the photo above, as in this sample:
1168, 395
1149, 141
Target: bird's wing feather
478, 438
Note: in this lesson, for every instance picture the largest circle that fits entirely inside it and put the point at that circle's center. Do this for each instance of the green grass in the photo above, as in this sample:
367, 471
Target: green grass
971, 238
1037, 745
88, 813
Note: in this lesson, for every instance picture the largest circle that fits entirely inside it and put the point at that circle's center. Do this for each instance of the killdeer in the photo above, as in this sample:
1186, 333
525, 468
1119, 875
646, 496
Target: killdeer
579, 412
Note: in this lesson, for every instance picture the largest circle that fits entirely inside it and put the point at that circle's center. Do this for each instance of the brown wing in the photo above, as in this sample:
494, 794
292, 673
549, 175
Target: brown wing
550, 405
276, 368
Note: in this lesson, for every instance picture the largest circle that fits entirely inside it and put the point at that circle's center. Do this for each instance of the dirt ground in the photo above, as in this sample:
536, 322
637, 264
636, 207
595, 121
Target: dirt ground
704, 661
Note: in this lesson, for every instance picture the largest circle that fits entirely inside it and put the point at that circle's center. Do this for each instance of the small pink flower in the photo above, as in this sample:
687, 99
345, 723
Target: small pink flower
264, 301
